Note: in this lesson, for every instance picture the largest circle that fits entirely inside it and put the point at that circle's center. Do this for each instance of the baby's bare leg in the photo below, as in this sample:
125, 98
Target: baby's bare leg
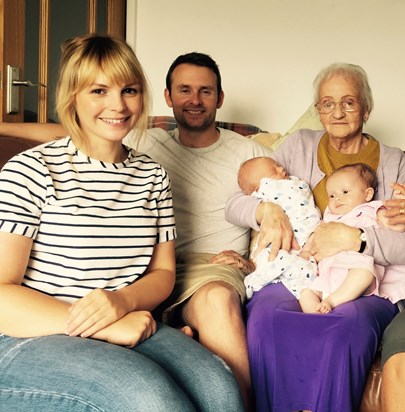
310, 300
356, 283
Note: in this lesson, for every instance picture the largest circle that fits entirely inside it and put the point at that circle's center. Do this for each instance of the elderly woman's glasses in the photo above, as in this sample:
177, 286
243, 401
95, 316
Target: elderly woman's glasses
347, 104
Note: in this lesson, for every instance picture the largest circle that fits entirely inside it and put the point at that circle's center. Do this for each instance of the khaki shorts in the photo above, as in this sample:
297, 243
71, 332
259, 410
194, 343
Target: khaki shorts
394, 338
194, 271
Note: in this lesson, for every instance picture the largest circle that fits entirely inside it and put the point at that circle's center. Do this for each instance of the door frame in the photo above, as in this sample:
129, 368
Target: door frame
12, 42
12, 23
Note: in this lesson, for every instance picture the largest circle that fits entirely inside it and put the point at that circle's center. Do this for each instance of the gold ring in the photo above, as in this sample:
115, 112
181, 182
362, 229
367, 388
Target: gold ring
402, 211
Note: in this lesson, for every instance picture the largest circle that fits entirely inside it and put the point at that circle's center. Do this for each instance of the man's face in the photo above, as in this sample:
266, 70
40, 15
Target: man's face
194, 97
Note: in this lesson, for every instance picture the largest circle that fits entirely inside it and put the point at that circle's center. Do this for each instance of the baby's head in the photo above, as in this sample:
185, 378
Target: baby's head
349, 186
253, 170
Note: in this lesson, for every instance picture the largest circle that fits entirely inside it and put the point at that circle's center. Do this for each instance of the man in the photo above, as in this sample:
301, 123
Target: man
202, 162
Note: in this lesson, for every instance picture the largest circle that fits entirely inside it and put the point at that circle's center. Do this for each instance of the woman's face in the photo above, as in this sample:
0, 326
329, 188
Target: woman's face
108, 112
340, 124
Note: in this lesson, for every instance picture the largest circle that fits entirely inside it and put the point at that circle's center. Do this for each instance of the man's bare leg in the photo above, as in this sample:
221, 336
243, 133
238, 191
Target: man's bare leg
214, 311
393, 384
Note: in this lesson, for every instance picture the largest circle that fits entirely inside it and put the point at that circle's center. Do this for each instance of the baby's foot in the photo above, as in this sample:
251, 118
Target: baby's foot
326, 306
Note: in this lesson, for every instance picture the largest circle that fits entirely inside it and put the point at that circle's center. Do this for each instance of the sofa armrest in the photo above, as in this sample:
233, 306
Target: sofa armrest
10, 146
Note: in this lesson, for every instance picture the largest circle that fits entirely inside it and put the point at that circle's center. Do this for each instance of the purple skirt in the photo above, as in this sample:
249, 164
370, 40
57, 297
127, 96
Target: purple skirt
312, 361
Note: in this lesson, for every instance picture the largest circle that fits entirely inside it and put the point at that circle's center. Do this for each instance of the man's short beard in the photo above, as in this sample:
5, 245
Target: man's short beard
203, 127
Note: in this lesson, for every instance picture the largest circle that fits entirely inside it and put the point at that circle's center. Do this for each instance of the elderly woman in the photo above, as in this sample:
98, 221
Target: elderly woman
320, 362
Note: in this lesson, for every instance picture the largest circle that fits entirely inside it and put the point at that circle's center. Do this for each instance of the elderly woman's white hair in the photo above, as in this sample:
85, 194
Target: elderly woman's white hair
346, 70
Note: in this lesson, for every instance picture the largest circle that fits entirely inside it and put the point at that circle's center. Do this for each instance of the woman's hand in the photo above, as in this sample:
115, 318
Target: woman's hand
333, 237
275, 229
232, 258
130, 330
392, 215
94, 312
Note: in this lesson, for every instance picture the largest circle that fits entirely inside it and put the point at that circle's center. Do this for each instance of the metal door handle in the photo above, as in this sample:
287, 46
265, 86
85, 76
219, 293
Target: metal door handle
27, 83
13, 82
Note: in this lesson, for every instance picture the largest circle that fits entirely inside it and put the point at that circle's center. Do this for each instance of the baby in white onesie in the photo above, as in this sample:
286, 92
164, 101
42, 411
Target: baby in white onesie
265, 179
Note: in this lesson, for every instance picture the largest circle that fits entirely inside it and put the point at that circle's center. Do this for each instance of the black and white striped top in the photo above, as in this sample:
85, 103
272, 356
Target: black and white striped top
93, 224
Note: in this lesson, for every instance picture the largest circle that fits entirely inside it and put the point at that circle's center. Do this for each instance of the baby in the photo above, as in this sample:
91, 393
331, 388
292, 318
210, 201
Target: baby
264, 178
347, 275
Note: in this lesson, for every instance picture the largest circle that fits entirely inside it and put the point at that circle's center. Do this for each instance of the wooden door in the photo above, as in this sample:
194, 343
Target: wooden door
30, 36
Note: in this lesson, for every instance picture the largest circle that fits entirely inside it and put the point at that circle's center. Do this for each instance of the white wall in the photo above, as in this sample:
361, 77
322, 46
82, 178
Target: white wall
269, 51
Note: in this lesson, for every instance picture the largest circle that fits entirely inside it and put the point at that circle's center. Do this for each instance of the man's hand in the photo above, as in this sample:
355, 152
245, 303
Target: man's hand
275, 229
333, 237
232, 258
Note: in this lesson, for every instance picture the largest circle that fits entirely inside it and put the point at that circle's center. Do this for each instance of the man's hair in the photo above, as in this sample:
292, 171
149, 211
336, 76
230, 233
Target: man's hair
364, 171
196, 59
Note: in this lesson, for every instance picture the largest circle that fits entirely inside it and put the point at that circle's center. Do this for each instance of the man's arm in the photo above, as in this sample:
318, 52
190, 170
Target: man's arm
37, 132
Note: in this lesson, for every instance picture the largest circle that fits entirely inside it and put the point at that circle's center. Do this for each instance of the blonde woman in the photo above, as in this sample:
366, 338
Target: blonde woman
87, 252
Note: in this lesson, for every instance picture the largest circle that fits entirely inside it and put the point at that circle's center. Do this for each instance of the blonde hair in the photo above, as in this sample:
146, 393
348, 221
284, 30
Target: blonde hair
83, 58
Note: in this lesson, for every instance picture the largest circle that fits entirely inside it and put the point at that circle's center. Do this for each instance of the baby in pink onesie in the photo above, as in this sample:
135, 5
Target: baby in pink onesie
346, 275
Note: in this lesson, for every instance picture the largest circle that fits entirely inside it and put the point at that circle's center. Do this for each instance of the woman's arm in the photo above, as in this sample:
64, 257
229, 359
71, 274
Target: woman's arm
275, 227
334, 237
385, 245
25, 312
240, 210
101, 308
37, 132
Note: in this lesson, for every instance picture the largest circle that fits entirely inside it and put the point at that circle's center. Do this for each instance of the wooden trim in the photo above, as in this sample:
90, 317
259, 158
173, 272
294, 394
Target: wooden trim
92, 16
116, 11
43, 60
11, 51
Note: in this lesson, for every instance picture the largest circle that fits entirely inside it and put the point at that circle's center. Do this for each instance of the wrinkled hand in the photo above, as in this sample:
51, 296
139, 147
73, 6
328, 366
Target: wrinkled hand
392, 215
275, 229
399, 190
94, 312
232, 258
130, 330
307, 248
333, 237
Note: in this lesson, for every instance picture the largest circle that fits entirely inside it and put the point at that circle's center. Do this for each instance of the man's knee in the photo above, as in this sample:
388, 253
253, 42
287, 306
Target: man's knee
215, 300
218, 294
394, 367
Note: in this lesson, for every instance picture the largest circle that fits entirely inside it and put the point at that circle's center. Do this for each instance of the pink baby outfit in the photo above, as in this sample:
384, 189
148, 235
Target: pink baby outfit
333, 270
